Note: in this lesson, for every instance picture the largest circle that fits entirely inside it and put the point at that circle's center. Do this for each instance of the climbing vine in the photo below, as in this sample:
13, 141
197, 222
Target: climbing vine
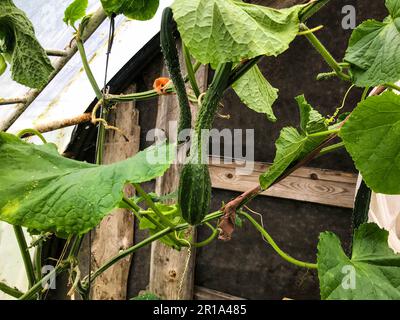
50, 194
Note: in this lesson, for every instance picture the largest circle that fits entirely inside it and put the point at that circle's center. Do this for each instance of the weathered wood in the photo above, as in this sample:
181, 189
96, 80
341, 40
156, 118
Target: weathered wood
201, 293
167, 266
322, 186
115, 232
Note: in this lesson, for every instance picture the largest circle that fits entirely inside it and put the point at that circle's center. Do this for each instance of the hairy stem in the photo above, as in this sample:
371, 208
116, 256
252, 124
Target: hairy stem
392, 86
152, 205
190, 71
323, 51
137, 212
331, 148
37, 287
31, 132
273, 244
324, 133
23, 247
13, 292
207, 241
145, 242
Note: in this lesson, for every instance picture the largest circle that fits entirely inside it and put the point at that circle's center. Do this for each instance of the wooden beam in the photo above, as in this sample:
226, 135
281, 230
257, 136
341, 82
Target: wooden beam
167, 266
201, 293
322, 186
115, 232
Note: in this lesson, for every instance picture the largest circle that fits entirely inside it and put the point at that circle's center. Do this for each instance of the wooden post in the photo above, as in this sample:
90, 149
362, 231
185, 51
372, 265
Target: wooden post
115, 232
167, 265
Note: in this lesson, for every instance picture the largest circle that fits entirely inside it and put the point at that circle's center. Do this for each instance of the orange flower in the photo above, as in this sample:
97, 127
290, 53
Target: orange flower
161, 84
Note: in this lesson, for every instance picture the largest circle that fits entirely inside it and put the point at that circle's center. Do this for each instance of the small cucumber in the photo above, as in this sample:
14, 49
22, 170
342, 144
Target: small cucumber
194, 192
195, 184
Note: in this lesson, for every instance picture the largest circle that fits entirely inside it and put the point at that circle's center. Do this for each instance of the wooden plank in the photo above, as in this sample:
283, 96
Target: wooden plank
305, 184
168, 266
201, 293
115, 232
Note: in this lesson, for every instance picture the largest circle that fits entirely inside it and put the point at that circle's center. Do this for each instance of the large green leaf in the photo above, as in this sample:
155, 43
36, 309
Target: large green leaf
256, 92
293, 145
30, 65
373, 272
218, 31
75, 11
133, 9
371, 136
43, 191
373, 49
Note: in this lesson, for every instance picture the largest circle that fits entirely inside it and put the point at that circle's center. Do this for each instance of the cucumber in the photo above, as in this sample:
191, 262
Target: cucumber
171, 57
194, 191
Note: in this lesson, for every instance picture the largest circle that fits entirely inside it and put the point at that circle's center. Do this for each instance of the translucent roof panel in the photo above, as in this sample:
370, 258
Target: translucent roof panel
69, 93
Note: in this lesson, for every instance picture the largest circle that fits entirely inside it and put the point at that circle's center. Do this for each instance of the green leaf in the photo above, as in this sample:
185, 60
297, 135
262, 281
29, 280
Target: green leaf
3, 65
373, 48
44, 191
373, 264
289, 146
133, 9
311, 120
371, 136
147, 296
256, 92
30, 65
393, 7
292, 145
75, 11
219, 31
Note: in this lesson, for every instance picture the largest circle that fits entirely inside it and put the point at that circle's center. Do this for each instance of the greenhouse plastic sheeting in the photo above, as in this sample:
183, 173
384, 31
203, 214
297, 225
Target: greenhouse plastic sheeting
69, 93
384, 210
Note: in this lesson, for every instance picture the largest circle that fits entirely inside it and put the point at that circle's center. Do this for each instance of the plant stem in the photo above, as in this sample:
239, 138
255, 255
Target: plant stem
303, 33
37, 287
190, 71
87, 69
151, 204
13, 292
242, 68
279, 251
129, 251
331, 148
131, 204
136, 211
392, 86
23, 247
38, 261
365, 93
323, 133
99, 96
150, 94
311, 9
208, 240
147, 241
31, 132
329, 59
